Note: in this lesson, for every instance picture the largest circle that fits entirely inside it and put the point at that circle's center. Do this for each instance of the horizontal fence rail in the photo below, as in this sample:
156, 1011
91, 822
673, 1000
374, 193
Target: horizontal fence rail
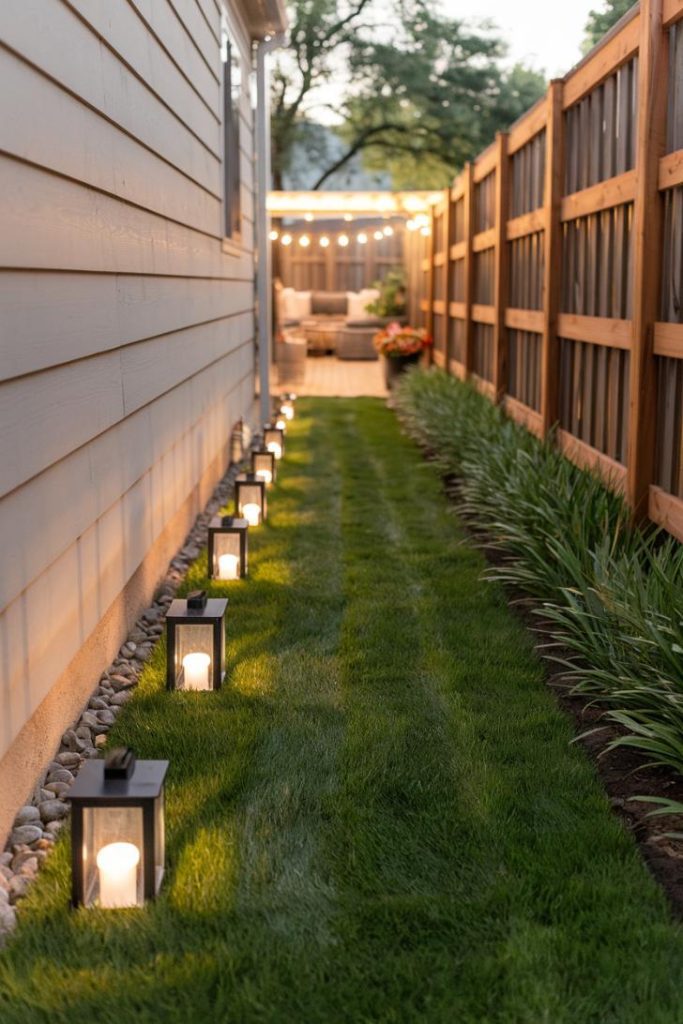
553, 276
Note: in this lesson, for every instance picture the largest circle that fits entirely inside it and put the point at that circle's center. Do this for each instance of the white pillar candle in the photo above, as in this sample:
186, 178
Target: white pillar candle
252, 513
275, 448
117, 864
265, 474
196, 670
228, 567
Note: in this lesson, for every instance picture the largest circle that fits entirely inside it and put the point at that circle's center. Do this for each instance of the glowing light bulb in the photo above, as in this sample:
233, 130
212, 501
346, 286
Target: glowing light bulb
286, 239
343, 240
309, 217
287, 410
348, 217
324, 241
379, 235
281, 423
274, 235
304, 241
388, 231
425, 231
362, 238
411, 225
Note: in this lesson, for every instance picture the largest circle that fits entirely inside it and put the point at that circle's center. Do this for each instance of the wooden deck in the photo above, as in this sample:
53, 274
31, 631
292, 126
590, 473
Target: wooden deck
327, 376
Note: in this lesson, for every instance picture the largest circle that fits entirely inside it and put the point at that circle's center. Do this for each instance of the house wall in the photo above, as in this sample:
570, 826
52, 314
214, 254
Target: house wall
126, 334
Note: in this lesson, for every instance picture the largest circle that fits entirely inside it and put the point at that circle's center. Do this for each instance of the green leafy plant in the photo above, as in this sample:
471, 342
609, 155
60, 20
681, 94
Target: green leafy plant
391, 300
613, 595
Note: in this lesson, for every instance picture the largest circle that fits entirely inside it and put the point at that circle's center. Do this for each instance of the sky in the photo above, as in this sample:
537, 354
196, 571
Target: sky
546, 34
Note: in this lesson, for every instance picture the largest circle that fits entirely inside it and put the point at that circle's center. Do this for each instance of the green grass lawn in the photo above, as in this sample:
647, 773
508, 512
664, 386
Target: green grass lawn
380, 817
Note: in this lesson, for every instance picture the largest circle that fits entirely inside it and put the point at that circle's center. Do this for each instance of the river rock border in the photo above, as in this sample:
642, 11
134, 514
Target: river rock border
38, 823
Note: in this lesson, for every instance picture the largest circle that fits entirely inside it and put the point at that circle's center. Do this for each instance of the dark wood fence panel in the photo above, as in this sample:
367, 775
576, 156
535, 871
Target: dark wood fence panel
527, 168
563, 247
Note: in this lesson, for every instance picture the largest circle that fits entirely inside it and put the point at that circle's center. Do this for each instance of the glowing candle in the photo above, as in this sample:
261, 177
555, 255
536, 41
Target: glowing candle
275, 448
228, 567
252, 513
265, 474
287, 411
281, 424
117, 864
196, 670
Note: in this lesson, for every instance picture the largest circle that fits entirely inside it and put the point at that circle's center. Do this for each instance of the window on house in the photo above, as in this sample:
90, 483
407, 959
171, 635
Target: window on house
232, 91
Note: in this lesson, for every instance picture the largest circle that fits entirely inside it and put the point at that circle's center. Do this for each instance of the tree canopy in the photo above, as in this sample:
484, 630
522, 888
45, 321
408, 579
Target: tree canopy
414, 91
601, 21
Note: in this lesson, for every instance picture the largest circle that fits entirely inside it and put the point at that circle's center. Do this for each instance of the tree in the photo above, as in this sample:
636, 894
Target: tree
418, 94
601, 21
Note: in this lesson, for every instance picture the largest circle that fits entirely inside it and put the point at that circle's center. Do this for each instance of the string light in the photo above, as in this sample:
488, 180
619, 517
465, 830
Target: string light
348, 217
411, 225
274, 235
425, 231
343, 240
304, 241
379, 235
324, 241
286, 239
362, 238
388, 231
309, 217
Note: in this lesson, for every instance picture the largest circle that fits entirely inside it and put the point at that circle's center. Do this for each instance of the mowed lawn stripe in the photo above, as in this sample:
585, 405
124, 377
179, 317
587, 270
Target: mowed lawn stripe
381, 817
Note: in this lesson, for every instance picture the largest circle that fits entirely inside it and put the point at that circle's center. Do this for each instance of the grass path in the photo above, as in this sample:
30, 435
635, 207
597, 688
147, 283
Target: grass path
380, 817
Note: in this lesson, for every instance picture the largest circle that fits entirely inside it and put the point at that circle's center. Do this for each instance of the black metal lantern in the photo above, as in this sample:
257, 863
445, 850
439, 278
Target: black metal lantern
274, 439
228, 547
195, 633
263, 465
250, 498
117, 831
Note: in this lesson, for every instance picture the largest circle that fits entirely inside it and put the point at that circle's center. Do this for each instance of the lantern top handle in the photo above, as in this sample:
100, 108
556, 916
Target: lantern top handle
119, 763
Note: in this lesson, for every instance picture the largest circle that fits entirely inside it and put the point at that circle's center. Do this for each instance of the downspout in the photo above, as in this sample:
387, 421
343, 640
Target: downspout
264, 270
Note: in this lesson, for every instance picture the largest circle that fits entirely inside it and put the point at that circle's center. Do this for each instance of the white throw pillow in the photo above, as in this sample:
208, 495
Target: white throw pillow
356, 303
286, 296
301, 304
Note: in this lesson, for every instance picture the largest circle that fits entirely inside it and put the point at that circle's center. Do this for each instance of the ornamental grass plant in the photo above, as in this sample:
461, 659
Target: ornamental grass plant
613, 594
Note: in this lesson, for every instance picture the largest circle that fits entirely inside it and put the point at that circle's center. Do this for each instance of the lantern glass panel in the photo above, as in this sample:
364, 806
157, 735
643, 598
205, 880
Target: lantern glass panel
194, 656
250, 494
113, 856
263, 462
226, 544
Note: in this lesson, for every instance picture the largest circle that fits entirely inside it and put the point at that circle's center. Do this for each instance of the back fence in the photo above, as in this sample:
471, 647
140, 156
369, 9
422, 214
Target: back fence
553, 276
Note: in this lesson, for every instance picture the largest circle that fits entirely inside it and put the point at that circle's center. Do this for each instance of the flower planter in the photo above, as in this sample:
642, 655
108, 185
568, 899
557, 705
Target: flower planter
394, 366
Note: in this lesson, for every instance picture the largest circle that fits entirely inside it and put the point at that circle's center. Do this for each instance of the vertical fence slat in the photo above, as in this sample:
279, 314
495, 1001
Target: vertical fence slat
468, 265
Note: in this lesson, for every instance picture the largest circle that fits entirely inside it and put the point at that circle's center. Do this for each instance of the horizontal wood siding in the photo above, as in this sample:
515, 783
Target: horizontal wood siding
127, 335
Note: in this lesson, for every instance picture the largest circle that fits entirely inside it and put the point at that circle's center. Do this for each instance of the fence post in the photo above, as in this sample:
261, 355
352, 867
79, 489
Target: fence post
552, 262
500, 270
468, 263
447, 232
647, 252
430, 298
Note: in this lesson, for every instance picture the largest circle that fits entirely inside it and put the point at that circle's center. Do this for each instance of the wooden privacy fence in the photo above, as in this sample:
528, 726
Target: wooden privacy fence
553, 276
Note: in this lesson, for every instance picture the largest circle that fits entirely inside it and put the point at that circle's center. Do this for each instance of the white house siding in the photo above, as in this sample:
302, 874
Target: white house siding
126, 334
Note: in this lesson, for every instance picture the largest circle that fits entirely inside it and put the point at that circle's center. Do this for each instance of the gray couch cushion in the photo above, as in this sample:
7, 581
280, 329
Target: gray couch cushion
329, 303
